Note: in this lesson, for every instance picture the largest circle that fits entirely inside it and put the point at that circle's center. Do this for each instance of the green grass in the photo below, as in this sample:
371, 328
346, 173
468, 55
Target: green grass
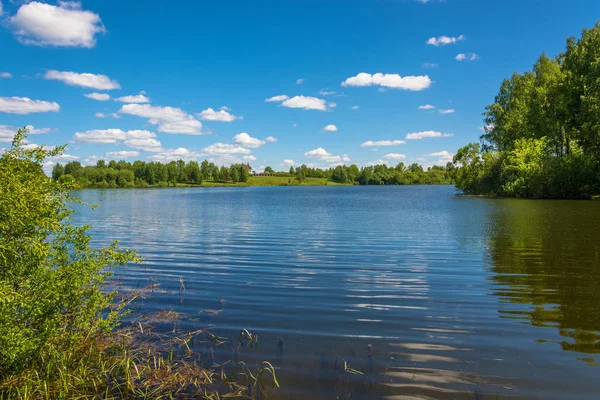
271, 181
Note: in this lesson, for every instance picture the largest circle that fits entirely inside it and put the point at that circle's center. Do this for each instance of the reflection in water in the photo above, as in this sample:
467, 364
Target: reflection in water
546, 256
403, 284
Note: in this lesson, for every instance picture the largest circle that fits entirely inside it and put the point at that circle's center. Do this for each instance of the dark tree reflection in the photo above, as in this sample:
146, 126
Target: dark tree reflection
545, 256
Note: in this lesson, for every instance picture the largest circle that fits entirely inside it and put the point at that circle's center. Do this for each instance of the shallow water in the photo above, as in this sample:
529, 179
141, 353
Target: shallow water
459, 297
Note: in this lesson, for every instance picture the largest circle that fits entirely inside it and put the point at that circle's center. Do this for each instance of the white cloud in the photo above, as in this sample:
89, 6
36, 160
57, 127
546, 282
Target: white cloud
394, 81
322, 154
326, 92
444, 40
98, 96
24, 105
224, 148
249, 158
467, 57
222, 115
355, 107
122, 154
371, 143
5, 75
426, 134
168, 119
429, 65
86, 80
330, 128
137, 139
426, 107
136, 98
271, 139
394, 156
278, 98
7, 132
307, 103
289, 163
66, 24
378, 162
168, 155
299, 81
444, 156
448, 111
102, 115
144, 144
246, 140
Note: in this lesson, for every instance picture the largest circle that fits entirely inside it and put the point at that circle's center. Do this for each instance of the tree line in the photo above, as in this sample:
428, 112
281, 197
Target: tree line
142, 174
125, 174
542, 134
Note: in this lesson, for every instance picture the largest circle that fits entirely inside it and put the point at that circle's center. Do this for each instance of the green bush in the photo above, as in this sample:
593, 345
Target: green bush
50, 279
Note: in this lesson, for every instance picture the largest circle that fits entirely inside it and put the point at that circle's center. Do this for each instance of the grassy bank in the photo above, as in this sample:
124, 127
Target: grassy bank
276, 181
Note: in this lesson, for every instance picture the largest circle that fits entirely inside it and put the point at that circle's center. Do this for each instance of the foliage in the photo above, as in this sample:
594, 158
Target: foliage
50, 279
142, 174
542, 134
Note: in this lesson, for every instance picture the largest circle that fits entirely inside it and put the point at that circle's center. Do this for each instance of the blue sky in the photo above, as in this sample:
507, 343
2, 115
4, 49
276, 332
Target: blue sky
201, 73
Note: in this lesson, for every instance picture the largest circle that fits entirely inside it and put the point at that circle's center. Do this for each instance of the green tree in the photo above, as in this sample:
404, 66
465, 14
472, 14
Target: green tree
50, 279
57, 171
269, 170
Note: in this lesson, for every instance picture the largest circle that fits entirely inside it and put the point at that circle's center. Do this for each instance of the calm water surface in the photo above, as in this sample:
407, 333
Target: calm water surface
459, 297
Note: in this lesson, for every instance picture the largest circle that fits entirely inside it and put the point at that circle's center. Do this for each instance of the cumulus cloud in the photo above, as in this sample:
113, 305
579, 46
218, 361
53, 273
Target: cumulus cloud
24, 105
374, 163
444, 156
97, 96
444, 40
5, 75
168, 119
466, 57
144, 144
249, 158
86, 80
426, 107
243, 139
299, 81
448, 111
394, 156
323, 155
379, 143
135, 98
307, 103
136, 139
65, 24
289, 163
278, 98
330, 128
103, 115
426, 134
122, 154
271, 139
7, 132
224, 148
223, 115
168, 155
393, 81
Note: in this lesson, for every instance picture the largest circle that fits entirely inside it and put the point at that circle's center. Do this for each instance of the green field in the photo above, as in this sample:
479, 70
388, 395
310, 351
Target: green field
275, 181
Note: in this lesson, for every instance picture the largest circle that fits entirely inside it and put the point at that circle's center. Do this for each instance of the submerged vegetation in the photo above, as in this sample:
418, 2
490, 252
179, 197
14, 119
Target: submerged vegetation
124, 174
60, 334
542, 134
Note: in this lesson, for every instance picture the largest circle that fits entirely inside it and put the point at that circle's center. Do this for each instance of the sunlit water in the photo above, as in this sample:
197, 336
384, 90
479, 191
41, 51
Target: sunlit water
459, 297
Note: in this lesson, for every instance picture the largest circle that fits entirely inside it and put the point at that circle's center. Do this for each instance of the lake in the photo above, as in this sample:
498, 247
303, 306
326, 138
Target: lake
458, 297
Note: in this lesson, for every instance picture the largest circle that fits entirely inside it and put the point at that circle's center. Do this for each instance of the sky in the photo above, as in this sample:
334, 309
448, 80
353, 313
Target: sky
272, 83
